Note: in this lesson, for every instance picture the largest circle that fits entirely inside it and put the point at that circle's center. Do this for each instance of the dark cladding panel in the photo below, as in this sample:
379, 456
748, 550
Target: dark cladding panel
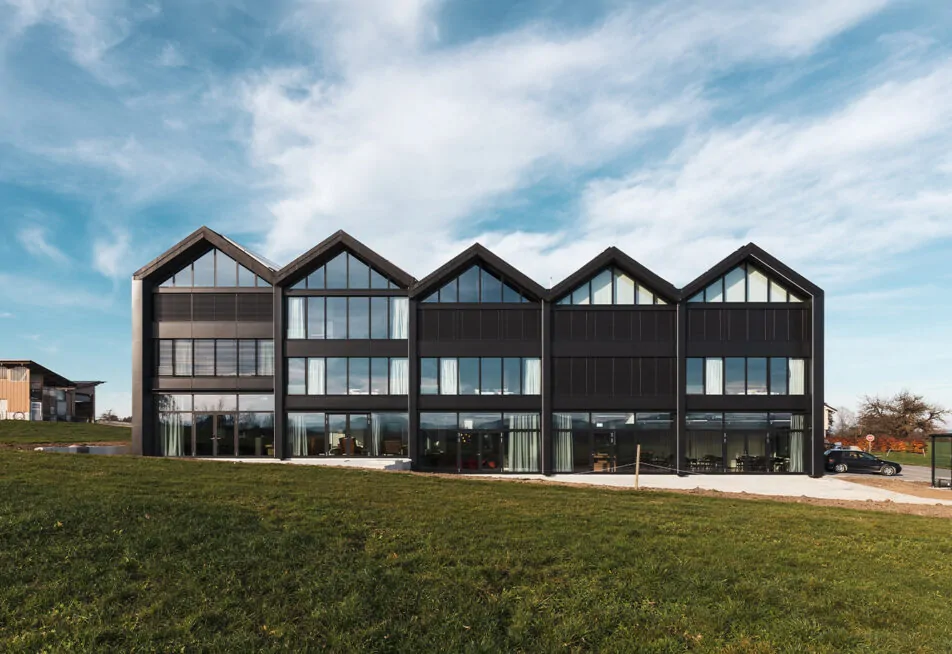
757, 325
531, 324
578, 377
695, 325
622, 376
512, 323
447, 327
173, 308
579, 321
603, 377
649, 376
621, 325
649, 325
736, 325
796, 326
203, 307
225, 307
562, 325
489, 324
666, 377
603, 325
255, 307
712, 325
667, 331
429, 325
469, 324
563, 376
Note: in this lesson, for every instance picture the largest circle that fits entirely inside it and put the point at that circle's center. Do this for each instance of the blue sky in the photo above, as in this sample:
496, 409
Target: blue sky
820, 129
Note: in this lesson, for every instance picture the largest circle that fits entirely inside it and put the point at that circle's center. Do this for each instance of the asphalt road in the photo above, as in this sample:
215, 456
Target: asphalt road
909, 473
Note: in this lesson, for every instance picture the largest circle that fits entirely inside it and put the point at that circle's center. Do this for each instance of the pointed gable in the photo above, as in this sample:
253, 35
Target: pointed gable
750, 274
614, 278
205, 258
343, 262
477, 275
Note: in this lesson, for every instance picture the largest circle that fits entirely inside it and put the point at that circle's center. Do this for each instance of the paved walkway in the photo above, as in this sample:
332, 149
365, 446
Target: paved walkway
826, 488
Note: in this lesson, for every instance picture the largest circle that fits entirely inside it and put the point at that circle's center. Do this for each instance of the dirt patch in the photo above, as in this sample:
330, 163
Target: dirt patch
32, 446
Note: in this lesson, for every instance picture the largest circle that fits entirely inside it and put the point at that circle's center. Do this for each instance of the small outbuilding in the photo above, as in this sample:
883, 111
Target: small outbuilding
941, 448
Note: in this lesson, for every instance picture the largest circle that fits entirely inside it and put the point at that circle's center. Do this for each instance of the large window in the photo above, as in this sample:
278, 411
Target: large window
480, 442
746, 442
223, 357
348, 376
746, 283
208, 424
611, 286
214, 268
348, 434
476, 285
377, 318
746, 376
480, 376
608, 442
345, 271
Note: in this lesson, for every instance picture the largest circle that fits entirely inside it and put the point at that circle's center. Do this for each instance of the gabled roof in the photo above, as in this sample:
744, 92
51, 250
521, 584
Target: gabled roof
198, 243
477, 254
615, 257
329, 248
50, 378
752, 252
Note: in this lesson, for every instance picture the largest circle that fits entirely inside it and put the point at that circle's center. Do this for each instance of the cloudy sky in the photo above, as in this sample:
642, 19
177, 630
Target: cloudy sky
678, 131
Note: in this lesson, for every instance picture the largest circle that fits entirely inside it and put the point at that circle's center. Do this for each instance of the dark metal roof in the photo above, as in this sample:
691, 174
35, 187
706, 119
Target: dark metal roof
52, 378
329, 248
198, 243
751, 251
614, 257
477, 253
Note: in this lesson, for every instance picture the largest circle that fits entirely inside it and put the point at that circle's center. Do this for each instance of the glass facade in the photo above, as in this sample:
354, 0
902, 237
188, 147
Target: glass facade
480, 442
747, 442
608, 442
746, 376
611, 286
221, 357
348, 434
354, 318
348, 376
746, 283
215, 425
476, 284
480, 376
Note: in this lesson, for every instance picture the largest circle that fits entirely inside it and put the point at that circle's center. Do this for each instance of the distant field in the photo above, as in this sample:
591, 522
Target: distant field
134, 554
21, 432
909, 459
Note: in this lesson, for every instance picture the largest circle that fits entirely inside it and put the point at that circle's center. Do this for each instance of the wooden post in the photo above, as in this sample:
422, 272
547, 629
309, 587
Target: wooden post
637, 465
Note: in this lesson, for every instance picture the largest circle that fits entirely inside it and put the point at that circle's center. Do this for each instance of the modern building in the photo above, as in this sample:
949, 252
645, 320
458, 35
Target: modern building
476, 367
29, 391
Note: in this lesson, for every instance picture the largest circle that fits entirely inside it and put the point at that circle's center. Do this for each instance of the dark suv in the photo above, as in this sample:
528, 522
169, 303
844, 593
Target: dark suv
856, 461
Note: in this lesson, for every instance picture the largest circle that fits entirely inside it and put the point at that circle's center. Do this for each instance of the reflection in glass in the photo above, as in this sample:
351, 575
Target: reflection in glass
336, 313
256, 434
226, 271
359, 308
778, 376
469, 285
379, 375
358, 275
336, 375
379, 310
468, 376
756, 376
429, 376
204, 269
296, 376
491, 287
315, 317
734, 376
512, 376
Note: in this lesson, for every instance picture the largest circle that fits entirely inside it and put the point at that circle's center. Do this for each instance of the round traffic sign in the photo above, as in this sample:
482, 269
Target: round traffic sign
870, 438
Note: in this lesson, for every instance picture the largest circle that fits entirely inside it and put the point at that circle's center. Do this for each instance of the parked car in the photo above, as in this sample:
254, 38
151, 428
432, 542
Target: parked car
857, 461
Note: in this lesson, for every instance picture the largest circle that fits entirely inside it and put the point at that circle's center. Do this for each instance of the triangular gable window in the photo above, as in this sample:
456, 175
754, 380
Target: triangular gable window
214, 268
476, 284
611, 286
746, 283
345, 271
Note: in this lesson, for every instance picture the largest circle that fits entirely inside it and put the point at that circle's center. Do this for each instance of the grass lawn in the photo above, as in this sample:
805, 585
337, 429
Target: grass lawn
127, 554
22, 432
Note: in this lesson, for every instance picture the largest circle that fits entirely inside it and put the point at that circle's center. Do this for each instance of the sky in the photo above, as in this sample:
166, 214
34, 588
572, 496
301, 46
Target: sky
548, 131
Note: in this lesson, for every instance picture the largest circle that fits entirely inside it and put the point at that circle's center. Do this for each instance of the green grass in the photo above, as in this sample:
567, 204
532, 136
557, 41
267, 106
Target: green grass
22, 432
126, 554
943, 456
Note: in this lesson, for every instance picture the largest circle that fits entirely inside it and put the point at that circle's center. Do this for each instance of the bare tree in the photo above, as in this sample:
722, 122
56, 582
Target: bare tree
845, 423
905, 416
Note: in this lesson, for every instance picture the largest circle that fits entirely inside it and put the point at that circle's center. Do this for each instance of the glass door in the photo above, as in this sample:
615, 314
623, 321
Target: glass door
469, 450
491, 453
214, 434
603, 451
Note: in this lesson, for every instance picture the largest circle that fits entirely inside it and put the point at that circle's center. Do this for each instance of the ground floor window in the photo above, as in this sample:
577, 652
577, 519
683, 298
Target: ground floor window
480, 442
746, 442
608, 442
213, 425
348, 434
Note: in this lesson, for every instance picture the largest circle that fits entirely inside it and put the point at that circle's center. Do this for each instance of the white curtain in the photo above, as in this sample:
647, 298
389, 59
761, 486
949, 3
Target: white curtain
563, 451
376, 435
532, 377
297, 432
173, 440
315, 376
797, 376
296, 319
449, 377
797, 429
523, 442
714, 376
399, 317
399, 376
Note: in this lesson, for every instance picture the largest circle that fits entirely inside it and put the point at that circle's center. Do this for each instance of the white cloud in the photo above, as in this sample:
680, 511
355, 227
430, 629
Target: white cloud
5, 314
34, 239
111, 256
170, 57
403, 135
28, 290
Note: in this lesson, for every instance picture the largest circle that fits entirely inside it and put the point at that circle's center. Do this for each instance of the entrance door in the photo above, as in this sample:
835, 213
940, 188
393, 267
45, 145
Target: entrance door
214, 434
603, 451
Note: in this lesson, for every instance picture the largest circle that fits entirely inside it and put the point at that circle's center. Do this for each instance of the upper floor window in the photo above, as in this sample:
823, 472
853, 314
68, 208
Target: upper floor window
611, 286
480, 376
345, 271
746, 376
376, 318
214, 268
746, 283
476, 285
215, 357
